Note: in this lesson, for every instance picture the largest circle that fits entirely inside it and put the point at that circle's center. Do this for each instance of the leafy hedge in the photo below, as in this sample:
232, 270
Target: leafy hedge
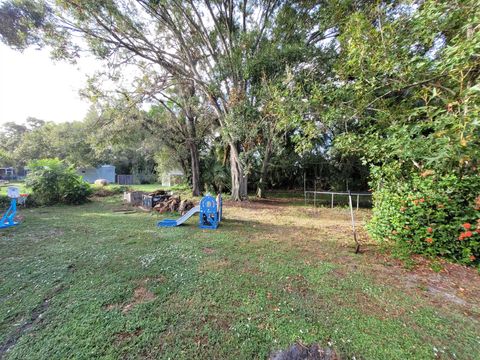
52, 182
430, 215
4, 203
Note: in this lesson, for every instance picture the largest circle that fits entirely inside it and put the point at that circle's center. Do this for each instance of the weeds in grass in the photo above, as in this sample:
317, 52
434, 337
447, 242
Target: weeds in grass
266, 279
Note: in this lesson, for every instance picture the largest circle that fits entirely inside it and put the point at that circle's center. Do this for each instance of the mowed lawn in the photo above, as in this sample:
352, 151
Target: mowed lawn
93, 281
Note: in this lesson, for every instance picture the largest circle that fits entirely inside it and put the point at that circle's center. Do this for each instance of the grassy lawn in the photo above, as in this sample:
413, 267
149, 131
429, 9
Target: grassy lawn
143, 187
93, 281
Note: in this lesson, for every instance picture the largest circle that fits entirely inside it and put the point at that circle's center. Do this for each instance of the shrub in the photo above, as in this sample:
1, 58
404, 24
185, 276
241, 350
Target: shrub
52, 182
4, 203
430, 215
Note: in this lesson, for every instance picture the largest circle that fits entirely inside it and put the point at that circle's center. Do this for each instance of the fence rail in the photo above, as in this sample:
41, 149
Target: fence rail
332, 194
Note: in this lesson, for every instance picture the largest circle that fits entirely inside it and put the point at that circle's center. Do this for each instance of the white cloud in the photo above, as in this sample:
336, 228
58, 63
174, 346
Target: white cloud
31, 84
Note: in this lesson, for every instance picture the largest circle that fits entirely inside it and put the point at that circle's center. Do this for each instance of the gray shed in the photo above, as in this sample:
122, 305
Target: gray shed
90, 174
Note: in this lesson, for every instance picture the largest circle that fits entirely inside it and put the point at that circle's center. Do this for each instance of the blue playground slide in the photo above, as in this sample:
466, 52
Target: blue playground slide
180, 221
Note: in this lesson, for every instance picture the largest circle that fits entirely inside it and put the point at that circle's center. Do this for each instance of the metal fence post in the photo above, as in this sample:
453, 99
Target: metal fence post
305, 187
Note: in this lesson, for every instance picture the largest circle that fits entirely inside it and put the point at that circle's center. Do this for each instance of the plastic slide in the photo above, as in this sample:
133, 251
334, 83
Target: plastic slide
180, 221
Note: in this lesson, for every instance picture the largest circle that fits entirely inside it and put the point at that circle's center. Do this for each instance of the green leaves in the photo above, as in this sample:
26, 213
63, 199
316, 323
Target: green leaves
413, 100
22, 22
425, 214
52, 182
406, 100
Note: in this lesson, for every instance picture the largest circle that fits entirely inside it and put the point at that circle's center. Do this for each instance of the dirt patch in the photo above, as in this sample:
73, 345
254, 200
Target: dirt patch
296, 284
305, 352
447, 295
111, 307
141, 295
208, 250
123, 337
201, 341
46, 235
215, 320
214, 264
36, 317
71, 268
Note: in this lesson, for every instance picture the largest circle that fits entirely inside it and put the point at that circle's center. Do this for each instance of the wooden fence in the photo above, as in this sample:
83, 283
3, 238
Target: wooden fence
125, 179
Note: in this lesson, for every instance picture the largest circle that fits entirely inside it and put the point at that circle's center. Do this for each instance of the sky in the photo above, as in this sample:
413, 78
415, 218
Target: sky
31, 84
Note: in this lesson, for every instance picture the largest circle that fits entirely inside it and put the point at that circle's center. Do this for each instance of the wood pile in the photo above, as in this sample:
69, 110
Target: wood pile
157, 193
173, 204
157, 196
159, 200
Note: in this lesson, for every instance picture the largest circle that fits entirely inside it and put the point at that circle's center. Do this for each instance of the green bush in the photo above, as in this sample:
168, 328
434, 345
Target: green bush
430, 215
53, 182
4, 203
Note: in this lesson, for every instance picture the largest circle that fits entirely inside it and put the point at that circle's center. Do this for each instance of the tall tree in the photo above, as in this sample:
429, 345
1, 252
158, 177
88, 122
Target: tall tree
209, 43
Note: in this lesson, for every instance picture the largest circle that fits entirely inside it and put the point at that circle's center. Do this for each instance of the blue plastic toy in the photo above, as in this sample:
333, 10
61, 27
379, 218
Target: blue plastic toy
210, 210
209, 213
8, 219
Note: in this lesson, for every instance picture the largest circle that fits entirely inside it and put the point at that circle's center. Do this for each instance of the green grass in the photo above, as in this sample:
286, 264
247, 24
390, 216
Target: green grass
142, 187
252, 286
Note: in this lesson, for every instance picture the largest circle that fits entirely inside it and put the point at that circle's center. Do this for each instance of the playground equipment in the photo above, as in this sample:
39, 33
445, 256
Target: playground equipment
8, 219
210, 210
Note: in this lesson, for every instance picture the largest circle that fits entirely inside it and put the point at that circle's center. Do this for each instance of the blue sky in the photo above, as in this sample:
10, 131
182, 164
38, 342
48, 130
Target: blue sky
31, 84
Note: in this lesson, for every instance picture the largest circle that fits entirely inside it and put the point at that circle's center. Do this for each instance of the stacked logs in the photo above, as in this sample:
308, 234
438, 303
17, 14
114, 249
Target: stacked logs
173, 204
159, 200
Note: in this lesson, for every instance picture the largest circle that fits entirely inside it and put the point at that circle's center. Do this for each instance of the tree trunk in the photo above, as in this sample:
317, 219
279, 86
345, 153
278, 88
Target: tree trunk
263, 174
195, 162
184, 166
239, 179
194, 156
